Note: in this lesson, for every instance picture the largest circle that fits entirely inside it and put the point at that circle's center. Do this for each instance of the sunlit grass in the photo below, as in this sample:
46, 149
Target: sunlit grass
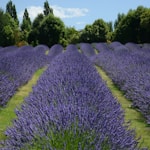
7, 114
136, 119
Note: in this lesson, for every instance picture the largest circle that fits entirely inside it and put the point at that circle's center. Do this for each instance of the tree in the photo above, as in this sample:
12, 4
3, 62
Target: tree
97, 32
47, 9
11, 10
33, 37
125, 31
110, 33
26, 25
134, 27
145, 26
118, 20
51, 30
8, 30
87, 34
37, 21
110, 26
101, 30
71, 35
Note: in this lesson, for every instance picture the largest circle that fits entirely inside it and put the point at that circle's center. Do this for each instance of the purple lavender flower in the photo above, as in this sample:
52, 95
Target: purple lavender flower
71, 98
129, 69
87, 49
17, 65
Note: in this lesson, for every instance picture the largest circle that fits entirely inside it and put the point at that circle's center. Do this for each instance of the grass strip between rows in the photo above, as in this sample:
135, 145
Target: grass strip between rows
136, 119
7, 114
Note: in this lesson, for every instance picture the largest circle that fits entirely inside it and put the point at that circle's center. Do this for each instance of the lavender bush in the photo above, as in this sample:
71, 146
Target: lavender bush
114, 44
101, 47
71, 47
146, 46
87, 49
129, 69
17, 65
54, 51
70, 104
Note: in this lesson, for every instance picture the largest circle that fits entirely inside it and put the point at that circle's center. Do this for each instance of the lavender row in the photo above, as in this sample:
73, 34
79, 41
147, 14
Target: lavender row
70, 98
128, 66
17, 65
87, 49
55, 50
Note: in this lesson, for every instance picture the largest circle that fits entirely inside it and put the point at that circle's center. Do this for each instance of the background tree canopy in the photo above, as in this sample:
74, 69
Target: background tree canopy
48, 29
97, 32
8, 30
133, 27
51, 30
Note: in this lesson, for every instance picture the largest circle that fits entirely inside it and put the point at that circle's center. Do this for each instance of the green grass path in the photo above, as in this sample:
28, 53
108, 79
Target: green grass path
7, 114
137, 120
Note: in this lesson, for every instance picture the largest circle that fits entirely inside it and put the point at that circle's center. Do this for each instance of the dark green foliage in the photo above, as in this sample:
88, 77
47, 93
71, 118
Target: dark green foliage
26, 25
51, 30
87, 34
33, 37
3, 19
8, 29
37, 21
118, 20
101, 30
145, 26
110, 26
97, 32
11, 10
47, 9
133, 27
71, 35
127, 29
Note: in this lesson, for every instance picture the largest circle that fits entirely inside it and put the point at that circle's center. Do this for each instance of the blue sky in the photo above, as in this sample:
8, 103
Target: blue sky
78, 13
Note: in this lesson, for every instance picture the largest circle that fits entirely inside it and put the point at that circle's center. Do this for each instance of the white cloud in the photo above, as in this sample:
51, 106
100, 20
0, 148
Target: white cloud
58, 11
69, 12
33, 11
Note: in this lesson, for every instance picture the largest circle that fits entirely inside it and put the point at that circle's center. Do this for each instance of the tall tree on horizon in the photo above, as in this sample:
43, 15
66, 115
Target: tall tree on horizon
47, 9
11, 10
26, 25
33, 37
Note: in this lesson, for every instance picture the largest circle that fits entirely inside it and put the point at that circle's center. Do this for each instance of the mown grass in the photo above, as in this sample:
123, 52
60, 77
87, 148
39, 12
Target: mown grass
7, 114
136, 119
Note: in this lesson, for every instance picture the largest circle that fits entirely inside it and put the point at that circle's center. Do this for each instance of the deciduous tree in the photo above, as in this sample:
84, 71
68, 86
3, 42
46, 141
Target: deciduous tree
8, 30
33, 37
51, 30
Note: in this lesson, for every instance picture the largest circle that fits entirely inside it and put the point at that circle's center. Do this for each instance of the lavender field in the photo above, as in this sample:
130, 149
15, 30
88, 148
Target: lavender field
128, 67
71, 107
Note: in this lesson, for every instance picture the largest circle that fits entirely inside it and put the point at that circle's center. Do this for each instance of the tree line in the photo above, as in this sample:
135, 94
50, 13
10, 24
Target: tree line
48, 29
